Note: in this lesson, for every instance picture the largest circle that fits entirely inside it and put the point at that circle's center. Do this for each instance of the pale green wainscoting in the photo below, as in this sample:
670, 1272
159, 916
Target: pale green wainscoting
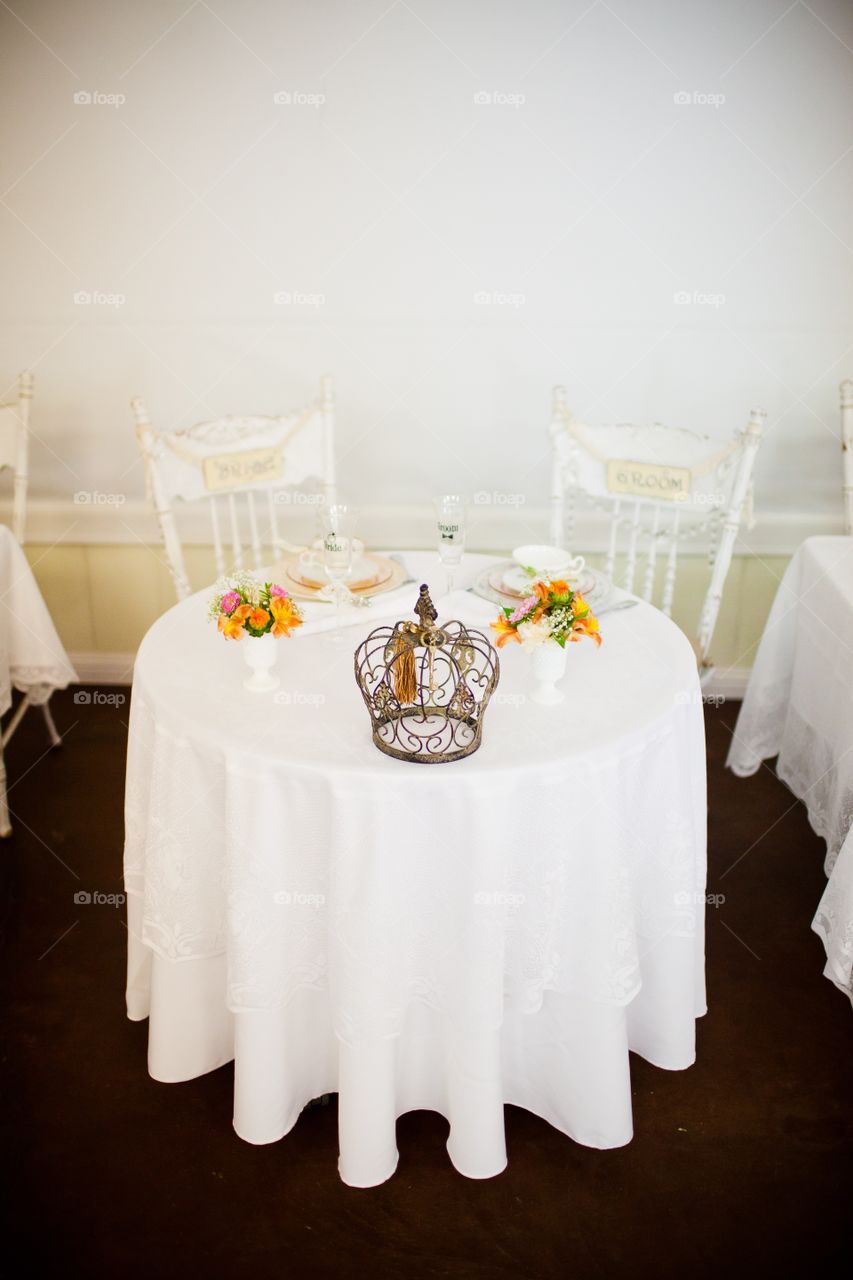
104, 597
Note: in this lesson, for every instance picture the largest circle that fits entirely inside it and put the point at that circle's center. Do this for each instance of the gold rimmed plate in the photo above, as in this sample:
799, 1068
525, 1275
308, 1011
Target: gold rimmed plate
372, 572
388, 576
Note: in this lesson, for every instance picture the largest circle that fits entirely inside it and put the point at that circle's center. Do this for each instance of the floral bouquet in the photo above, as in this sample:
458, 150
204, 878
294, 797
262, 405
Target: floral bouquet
552, 612
242, 606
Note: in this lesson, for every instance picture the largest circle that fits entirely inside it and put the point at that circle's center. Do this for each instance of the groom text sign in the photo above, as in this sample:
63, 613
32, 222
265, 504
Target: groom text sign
233, 470
648, 480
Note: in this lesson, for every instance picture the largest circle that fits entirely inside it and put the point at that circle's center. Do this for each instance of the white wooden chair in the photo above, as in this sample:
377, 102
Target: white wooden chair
658, 487
242, 469
847, 451
14, 450
14, 457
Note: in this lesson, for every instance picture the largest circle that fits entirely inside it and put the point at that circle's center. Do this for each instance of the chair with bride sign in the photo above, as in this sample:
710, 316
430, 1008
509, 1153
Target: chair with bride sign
245, 470
657, 487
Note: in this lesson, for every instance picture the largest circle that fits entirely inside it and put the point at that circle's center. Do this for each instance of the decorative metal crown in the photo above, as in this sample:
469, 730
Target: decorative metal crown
426, 685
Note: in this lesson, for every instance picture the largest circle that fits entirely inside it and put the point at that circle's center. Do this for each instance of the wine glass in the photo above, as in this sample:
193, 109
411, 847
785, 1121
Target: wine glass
450, 527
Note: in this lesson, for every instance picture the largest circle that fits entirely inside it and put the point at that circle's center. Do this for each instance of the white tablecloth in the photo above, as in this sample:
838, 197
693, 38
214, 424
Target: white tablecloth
498, 929
799, 706
32, 658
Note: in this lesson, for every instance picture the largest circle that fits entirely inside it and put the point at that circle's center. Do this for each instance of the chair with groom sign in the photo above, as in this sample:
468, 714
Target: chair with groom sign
657, 487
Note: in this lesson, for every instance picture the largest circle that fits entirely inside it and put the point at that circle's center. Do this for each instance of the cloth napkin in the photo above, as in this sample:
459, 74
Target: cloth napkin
395, 604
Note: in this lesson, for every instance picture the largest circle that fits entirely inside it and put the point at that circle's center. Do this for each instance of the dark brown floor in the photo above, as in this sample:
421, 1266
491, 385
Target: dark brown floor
742, 1161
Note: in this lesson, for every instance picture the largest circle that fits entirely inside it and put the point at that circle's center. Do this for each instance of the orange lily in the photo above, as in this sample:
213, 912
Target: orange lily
505, 631
587, 626
284, 615
232, 626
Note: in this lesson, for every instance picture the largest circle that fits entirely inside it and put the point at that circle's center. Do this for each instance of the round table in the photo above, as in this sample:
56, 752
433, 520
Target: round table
502, 928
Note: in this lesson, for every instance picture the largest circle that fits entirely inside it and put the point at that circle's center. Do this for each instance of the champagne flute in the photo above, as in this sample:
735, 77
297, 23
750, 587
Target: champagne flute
337, 563
450, 527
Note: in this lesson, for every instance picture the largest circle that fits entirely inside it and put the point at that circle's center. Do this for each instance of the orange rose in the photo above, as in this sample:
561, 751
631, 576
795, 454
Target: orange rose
258, 618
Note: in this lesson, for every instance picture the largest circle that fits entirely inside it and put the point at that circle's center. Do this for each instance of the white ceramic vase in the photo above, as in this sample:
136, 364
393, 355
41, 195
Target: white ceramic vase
549, 665
260, 653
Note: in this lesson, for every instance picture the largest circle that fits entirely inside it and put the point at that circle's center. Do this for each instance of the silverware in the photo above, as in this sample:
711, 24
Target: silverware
614, 608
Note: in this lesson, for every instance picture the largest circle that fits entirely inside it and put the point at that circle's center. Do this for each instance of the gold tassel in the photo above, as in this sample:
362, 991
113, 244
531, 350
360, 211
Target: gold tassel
405, 680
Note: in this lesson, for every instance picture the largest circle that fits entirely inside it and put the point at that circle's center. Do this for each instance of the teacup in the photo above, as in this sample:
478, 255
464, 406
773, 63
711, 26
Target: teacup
548, 561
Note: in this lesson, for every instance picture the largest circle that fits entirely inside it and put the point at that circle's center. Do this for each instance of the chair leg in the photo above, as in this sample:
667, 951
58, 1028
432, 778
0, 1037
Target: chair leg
15, 719
5, 824
55, 736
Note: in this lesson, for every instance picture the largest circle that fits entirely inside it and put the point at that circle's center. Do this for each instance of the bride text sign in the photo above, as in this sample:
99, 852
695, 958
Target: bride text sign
648, 480
233, 470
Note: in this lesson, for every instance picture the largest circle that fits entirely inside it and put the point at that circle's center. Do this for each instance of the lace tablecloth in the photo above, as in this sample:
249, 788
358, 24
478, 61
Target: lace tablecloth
502, 928
799, 706
32, 658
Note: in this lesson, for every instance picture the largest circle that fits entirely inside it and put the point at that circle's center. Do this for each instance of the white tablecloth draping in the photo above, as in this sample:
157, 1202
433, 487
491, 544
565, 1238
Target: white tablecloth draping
799, 707
499, 929
32, 658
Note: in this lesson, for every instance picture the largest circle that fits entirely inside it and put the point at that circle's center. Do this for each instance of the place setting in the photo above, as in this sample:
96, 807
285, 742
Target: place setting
512, 580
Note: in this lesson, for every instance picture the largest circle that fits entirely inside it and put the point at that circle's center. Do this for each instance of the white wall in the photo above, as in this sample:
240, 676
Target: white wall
598, 198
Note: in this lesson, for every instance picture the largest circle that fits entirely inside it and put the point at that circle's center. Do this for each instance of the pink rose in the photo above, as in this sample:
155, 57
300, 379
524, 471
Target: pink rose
229, 601
276, 590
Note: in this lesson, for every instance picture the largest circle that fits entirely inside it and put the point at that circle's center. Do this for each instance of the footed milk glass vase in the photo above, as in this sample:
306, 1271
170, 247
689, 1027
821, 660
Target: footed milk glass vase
260, 654
548, 661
